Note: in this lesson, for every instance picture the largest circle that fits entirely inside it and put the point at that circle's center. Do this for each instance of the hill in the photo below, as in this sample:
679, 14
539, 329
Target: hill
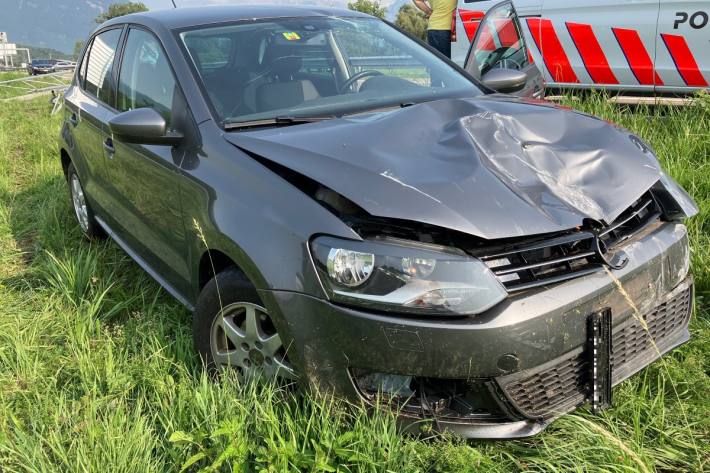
39, 52
55, 24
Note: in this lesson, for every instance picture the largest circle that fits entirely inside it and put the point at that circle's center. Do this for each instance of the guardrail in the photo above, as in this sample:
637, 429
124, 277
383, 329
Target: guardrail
361, 62
384, 61
56, 81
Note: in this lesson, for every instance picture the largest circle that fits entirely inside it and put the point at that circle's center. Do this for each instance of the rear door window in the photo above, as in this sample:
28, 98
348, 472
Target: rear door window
99, 67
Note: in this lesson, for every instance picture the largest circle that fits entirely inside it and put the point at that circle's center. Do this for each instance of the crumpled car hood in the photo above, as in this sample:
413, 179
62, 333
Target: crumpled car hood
494, 167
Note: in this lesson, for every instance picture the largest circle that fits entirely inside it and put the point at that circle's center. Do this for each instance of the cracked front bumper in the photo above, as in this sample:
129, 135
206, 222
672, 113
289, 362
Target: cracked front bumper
528, 352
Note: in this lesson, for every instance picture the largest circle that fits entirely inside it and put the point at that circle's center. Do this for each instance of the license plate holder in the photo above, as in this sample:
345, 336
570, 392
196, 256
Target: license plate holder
599, 340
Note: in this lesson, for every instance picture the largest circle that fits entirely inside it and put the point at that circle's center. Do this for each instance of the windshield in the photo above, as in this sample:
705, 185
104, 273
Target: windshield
324, 66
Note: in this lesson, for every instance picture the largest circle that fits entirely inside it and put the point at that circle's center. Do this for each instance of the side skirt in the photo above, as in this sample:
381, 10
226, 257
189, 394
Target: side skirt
144, 266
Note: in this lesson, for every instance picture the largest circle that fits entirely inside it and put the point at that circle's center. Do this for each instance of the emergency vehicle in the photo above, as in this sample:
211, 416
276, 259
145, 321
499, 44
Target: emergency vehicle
643, 46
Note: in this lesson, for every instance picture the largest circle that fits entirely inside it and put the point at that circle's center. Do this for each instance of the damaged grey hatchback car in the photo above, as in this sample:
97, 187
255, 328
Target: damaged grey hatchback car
342, 206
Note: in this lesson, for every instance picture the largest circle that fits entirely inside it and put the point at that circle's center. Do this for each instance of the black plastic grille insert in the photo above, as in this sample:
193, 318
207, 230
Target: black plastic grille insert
560, 386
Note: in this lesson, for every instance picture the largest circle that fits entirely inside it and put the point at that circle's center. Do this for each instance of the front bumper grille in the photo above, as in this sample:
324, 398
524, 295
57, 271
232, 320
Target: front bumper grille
561, 385
528, 265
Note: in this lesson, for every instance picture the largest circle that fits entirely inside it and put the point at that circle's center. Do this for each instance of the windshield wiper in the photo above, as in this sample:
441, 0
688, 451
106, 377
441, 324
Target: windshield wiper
284, 120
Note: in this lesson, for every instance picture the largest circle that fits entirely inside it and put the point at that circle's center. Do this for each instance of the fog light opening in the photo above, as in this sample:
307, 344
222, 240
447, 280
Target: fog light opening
429, 397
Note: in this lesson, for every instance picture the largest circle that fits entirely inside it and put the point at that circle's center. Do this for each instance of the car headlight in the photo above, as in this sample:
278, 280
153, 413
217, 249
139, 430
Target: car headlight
402, 276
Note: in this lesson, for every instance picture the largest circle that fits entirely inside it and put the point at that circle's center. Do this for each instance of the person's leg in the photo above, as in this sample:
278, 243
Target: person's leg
441, 41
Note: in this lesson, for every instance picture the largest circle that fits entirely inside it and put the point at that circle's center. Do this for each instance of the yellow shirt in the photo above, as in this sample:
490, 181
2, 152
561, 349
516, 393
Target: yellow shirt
442, 14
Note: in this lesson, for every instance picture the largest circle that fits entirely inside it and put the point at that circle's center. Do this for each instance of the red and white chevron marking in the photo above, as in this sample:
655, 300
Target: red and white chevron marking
586, 44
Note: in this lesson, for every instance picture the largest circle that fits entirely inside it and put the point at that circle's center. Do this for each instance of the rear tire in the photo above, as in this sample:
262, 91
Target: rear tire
83, 213
231, 328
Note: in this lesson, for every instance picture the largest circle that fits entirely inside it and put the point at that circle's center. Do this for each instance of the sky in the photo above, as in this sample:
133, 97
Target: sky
159, 4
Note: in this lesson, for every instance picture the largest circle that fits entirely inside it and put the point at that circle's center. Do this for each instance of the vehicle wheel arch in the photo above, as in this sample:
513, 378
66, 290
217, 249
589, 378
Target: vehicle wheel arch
227, 256
66, 160
211, 263
215, 255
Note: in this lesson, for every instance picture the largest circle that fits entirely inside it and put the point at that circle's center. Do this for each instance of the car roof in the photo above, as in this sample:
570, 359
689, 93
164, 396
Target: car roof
178, 18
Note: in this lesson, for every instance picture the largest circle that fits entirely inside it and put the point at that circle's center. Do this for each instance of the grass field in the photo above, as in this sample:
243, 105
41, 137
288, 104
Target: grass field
98, 374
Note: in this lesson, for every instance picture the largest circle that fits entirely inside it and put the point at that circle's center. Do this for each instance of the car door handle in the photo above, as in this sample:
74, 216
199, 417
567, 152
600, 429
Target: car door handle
108, 146
73, 119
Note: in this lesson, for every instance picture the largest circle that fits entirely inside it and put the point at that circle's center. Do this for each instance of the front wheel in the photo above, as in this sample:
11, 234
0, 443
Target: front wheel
82, 210
232, 329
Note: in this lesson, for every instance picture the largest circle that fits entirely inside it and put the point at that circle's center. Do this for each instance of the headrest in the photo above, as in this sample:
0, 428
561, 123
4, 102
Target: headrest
283, 60
286, 65
272, 96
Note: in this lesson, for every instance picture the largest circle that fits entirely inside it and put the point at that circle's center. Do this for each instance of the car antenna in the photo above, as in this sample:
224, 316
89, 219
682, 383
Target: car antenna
174, 6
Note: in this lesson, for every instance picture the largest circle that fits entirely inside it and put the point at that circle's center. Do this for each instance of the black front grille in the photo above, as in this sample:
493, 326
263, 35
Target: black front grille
561, 385
568, 256
633, 340
554, 390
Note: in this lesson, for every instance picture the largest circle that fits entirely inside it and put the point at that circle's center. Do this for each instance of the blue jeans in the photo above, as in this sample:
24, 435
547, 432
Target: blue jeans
440, 40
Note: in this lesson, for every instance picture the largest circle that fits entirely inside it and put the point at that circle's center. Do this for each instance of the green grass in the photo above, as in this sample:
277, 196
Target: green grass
97, 370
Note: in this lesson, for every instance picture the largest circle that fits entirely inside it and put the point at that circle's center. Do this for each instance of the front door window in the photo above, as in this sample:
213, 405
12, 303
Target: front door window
146, 80
499, 43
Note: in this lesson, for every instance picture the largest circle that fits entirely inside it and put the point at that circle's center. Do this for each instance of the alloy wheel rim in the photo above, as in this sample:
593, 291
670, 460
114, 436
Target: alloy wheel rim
243, 337
79, 201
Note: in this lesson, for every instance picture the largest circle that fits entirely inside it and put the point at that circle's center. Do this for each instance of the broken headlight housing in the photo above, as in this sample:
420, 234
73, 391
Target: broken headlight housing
408, 277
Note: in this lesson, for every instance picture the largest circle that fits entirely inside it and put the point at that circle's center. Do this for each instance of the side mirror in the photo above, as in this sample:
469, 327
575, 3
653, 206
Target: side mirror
505, 81
143, 126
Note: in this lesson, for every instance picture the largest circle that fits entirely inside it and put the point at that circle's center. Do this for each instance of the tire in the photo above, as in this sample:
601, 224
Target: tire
224, 338
83, 213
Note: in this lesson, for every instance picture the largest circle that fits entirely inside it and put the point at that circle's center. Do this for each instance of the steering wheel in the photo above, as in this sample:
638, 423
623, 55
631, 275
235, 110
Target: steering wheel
508, 62
492, 58
499, 55
360, 75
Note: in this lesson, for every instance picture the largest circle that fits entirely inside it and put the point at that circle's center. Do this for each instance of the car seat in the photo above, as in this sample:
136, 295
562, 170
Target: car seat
284, 89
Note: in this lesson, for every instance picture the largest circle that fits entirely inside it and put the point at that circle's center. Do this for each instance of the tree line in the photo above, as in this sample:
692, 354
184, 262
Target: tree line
409, 18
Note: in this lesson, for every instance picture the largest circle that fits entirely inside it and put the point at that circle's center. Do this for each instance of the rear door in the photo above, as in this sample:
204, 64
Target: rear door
592, 43
88, 107
683, 45
499, 43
